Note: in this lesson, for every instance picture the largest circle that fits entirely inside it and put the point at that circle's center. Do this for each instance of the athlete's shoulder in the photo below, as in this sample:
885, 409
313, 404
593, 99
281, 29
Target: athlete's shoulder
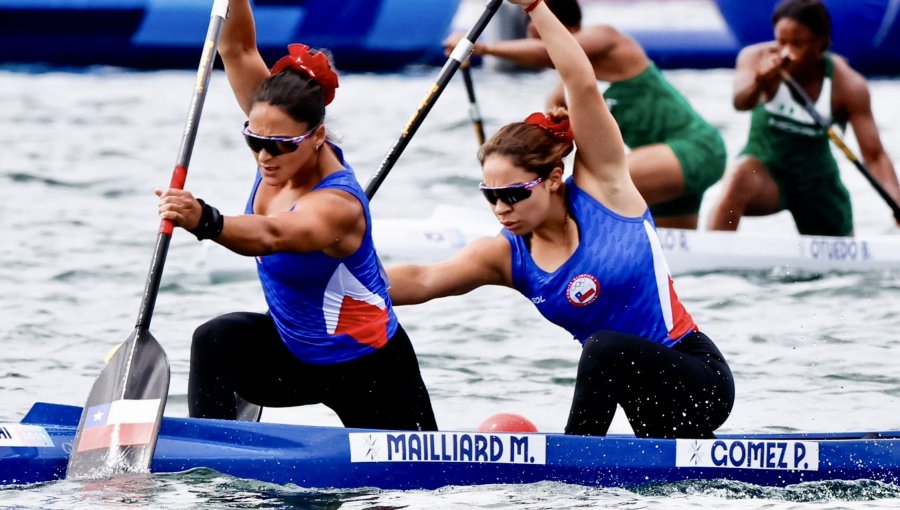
850, 89
844, 76
597, 40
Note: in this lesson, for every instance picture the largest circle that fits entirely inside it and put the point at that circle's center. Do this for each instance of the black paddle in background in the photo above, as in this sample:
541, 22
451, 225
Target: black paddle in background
459, 54
474, 111
810, 107
119, 425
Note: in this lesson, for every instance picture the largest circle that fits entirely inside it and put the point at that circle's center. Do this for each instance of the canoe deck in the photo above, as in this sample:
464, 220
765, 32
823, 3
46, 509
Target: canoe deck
333, 457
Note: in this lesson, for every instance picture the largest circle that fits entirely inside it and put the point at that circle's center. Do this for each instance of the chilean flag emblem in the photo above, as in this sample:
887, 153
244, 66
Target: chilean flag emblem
121, 422
351, 309
583, 290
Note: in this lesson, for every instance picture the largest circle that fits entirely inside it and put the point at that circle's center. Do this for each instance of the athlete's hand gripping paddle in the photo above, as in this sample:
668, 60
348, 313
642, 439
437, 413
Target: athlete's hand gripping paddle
810, 107
120, 422
459, 54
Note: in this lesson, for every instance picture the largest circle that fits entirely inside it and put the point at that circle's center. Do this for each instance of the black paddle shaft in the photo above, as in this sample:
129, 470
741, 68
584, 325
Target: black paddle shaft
460, 53
474, 111
810, 107
119, 425
179, 175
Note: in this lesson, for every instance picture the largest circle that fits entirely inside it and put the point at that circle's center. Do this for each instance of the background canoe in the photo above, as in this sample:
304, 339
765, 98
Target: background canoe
362, 34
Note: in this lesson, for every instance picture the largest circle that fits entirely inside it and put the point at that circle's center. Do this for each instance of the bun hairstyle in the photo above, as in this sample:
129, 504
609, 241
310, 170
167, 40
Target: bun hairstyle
538, 144
302, 83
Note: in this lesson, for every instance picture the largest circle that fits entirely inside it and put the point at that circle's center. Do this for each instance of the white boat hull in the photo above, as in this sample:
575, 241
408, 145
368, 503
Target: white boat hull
687, 251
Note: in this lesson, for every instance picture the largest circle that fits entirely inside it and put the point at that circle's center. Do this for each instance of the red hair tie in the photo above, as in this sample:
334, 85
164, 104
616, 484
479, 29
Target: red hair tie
315, 65
560, 129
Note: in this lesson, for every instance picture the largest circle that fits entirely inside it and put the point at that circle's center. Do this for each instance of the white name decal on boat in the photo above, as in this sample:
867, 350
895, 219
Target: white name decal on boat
746, 454
448, 447
16, 434
839, 249
673, 240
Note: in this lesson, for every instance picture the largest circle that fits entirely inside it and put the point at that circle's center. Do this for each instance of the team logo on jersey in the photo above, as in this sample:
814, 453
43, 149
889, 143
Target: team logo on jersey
583, 290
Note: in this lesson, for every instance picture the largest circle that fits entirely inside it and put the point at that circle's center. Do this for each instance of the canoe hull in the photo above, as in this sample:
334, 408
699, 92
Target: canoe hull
333, 457
449, 228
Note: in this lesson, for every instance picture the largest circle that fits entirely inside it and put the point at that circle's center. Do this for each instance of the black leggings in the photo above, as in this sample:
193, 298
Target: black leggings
242, 353
685, 391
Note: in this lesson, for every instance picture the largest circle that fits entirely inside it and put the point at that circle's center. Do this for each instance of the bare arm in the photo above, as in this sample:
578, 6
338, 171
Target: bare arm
600, 165
857, 99
325, 220
757, 76
485, 261
244, 65
524, 52
596, 42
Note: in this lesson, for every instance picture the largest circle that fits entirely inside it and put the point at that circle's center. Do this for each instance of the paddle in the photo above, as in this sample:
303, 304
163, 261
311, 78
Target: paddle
119, 425
810, 107
474, 111
459, 54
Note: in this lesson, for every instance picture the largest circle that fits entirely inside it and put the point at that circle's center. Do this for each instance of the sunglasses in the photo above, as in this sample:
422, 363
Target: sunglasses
274, 145
509, 194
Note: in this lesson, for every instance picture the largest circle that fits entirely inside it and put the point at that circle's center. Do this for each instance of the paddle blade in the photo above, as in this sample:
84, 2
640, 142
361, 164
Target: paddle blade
246, 411
120, 422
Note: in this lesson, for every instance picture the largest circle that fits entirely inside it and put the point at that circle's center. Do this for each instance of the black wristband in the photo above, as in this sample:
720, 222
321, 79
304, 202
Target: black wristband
211, 222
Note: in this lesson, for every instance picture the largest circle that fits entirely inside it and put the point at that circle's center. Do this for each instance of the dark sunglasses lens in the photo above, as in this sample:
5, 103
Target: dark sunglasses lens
512, 195
273, 147
490, 196
508, 196
258, 144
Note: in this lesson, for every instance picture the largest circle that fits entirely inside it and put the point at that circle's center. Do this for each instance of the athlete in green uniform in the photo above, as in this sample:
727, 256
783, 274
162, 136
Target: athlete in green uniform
675, 154
787, 162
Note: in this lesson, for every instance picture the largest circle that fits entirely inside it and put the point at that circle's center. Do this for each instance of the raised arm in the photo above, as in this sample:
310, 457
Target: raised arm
485, 261
600, 165
244, 65
757, 75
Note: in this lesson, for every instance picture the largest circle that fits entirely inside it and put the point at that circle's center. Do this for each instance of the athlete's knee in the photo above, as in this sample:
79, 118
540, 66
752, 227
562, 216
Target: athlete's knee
607, 342
214, 333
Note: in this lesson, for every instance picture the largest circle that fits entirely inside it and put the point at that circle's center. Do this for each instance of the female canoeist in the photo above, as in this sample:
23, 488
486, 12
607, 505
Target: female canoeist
787, 163
585, 252
675, 154
330, 335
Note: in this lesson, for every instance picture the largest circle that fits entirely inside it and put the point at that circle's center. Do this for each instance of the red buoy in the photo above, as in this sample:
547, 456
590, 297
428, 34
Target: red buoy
507, 422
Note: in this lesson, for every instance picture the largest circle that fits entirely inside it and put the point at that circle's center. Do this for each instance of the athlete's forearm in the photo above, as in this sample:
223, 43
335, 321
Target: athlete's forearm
883, 171
524, 52
749, 91
406, 286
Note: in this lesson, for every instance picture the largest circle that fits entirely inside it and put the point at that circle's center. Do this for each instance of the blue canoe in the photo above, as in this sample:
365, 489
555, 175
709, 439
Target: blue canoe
362, 34
35, 450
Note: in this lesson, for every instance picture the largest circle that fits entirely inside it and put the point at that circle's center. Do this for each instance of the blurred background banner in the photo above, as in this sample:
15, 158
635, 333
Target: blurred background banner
387, 35
361, 34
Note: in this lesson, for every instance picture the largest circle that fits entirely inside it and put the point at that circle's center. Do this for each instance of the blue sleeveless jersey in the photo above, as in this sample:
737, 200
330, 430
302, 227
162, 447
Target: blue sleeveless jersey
328, 310
617, 279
